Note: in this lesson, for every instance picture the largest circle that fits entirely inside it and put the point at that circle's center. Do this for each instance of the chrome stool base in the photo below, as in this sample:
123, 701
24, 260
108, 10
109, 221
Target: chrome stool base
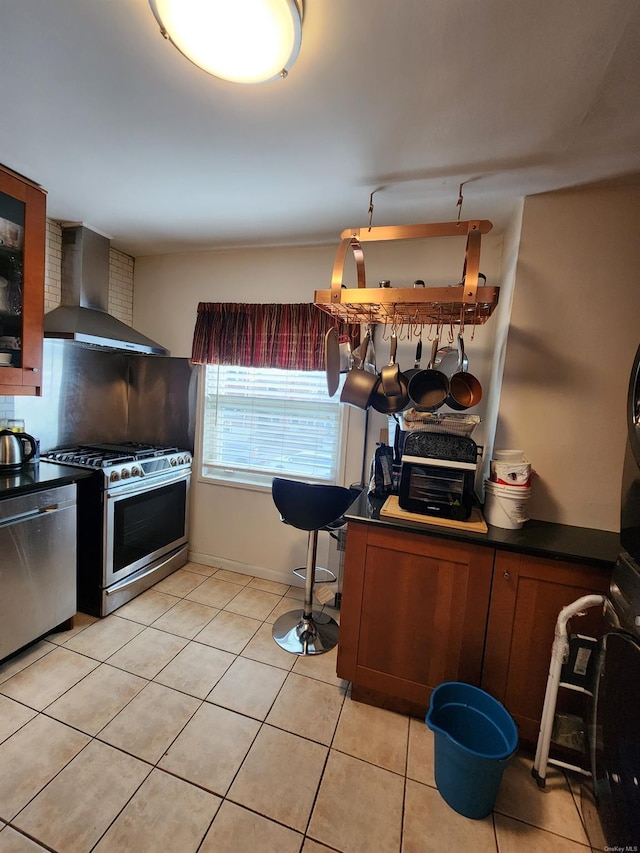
305, 636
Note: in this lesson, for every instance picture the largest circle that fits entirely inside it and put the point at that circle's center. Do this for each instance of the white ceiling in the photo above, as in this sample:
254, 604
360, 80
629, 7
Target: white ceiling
406, 97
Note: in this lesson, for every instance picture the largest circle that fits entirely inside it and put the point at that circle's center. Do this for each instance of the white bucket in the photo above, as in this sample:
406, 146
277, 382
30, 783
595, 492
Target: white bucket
510, 473
506, 506
509, 456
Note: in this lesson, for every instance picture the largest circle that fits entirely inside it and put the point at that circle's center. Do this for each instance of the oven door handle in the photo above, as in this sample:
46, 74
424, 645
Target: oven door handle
147, 485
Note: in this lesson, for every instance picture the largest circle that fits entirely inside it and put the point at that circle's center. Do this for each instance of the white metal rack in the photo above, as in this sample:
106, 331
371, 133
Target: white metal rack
573, 678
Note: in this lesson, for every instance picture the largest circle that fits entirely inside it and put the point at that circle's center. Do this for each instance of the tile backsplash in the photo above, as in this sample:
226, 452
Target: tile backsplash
121, 268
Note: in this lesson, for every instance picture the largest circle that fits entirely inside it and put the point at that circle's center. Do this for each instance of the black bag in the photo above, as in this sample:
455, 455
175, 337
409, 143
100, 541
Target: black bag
381, 476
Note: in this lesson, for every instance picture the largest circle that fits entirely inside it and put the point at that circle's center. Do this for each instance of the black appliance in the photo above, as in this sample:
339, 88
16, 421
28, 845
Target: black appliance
132, 519
630, 503
437, 475
611, 798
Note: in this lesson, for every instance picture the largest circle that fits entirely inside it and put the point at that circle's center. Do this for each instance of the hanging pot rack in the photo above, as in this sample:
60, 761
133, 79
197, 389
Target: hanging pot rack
466, 303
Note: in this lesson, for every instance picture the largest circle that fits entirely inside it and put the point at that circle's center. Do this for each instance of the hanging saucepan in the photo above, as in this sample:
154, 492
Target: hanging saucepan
447, 360
465, 390
390, 373
428, 389
389, 404
416, 364
360, 385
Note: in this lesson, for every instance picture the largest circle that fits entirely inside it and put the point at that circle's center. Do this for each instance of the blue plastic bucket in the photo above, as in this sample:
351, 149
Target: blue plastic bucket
475, 736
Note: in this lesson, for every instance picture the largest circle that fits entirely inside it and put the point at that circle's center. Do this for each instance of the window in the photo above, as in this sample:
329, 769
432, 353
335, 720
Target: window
261, 422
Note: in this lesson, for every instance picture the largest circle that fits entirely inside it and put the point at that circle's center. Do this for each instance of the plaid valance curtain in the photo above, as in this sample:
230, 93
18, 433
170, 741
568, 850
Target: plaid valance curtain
287, 336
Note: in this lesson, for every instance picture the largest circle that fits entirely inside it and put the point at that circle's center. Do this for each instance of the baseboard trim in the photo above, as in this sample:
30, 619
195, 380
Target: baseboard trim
246, 569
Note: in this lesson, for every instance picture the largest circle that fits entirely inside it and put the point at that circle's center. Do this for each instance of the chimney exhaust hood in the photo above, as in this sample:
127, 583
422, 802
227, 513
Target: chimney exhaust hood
83, 315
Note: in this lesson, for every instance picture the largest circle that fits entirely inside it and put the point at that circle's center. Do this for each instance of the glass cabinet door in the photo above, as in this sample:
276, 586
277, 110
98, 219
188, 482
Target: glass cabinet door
22, 254
12, 218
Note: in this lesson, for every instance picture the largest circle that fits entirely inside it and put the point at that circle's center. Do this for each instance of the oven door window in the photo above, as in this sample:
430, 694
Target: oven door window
148, 524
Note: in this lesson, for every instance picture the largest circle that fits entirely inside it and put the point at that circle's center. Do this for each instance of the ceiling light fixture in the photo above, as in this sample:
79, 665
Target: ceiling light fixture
244, 41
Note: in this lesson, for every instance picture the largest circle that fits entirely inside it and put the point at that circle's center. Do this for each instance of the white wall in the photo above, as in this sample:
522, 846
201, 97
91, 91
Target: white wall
575, 327
240, 528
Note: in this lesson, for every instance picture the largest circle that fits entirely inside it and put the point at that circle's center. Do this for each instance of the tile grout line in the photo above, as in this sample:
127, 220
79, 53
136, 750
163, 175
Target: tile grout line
262, 722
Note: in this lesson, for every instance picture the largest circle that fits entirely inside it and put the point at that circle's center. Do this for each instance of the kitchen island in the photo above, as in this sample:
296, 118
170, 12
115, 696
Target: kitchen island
422, 604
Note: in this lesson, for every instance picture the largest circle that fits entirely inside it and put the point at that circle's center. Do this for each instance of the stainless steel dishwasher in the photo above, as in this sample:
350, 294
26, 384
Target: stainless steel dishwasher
37, 565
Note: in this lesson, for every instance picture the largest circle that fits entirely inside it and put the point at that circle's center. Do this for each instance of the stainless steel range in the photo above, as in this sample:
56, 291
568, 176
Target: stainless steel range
133, 513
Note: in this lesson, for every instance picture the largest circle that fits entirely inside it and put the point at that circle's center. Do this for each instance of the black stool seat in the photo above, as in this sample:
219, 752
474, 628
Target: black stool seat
311, 507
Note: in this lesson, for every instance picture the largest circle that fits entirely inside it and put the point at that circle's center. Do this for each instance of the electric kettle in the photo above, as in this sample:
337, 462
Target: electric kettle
15, 449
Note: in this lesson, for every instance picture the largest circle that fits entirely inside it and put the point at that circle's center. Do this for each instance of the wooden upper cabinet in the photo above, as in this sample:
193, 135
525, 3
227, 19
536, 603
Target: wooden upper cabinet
22, 263
413, 614
527, 595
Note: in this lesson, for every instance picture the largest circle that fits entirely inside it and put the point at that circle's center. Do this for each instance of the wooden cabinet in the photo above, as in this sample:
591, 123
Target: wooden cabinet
527, 595
22, 258
413, 614
417, 610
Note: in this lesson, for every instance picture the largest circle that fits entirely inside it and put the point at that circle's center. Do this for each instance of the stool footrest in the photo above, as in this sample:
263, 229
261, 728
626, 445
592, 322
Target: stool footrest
326, 575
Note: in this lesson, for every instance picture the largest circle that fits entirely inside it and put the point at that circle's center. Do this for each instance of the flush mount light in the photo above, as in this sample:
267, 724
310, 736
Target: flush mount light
244, 41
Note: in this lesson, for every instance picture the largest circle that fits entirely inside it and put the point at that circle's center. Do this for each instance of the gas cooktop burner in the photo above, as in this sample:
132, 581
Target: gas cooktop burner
103, 455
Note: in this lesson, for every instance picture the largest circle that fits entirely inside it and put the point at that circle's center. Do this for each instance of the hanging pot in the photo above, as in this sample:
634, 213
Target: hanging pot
390, 373
389, 404
416, 364
447, 360
465, 390
428, 389
360, 385
386, 405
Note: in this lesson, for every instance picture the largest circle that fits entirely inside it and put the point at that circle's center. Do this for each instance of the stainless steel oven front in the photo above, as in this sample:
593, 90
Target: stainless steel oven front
144, 521
133, 519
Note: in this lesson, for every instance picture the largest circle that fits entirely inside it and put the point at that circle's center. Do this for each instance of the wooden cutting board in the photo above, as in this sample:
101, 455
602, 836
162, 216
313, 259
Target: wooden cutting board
476, 522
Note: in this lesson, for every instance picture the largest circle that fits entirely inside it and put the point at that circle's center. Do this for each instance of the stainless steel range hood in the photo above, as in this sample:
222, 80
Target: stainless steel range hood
83, 315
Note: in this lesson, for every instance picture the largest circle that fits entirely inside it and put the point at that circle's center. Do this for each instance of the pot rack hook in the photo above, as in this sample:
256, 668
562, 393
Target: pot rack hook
371, 207
460, 199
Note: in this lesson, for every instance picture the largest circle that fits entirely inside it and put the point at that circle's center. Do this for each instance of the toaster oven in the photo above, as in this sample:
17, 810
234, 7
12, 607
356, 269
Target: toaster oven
430, 487
437, 475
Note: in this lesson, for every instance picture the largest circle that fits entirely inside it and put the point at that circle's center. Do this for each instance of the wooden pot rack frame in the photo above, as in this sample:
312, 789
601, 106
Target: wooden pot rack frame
466, 303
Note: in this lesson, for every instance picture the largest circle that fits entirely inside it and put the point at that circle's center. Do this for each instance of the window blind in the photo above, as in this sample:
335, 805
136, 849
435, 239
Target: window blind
265, 422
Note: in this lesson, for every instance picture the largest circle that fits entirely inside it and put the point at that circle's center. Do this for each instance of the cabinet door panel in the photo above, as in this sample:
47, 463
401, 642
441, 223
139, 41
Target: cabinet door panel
527, 595
414, 611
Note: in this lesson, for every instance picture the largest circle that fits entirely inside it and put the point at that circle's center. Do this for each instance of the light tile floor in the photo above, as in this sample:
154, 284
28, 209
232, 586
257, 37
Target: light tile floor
177, 724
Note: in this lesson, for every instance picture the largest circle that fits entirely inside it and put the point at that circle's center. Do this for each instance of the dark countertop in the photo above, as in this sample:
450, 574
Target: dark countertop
35, 478
538, 538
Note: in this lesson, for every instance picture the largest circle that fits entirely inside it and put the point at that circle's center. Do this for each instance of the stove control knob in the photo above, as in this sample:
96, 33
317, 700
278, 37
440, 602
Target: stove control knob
135, 471
173, 461
125, 474
187, 458
114, 477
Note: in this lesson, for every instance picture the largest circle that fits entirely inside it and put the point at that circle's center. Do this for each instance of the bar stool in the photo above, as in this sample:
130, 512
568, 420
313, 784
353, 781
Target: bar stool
312, 507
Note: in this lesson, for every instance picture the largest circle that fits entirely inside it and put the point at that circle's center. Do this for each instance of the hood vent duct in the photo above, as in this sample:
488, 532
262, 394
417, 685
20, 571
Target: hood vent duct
83, 315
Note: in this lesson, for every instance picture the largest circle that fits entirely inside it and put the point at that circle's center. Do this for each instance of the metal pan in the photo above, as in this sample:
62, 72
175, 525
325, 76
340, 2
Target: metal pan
360, 385
428, 388
332, 360
390, 373
465, 389
416, 364
389, 405
447, 360
388, 402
